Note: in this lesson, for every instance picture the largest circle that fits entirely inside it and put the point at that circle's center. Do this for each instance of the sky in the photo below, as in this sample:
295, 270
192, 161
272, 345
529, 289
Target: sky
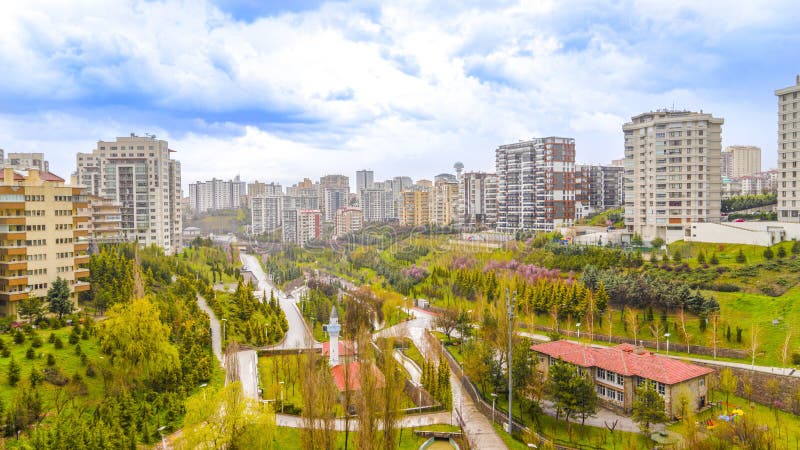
279, 91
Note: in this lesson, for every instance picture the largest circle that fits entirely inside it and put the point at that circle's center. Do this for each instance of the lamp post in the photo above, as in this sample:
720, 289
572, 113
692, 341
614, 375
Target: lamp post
163, 441
224, 322
281, 383
494, 398
578, 325
667, 335
510, 302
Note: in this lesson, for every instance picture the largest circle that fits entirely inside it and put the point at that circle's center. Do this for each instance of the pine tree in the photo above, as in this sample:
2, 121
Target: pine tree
740, 258
13, 372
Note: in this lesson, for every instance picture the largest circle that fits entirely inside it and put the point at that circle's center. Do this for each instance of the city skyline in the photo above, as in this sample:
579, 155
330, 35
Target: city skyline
309, 89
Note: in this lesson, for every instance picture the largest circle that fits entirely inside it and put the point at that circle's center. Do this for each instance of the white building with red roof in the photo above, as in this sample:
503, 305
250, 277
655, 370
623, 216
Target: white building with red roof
617, 371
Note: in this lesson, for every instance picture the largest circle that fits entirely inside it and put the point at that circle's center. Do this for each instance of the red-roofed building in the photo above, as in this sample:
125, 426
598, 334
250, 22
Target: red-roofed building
347, 350
348, 377
617, 371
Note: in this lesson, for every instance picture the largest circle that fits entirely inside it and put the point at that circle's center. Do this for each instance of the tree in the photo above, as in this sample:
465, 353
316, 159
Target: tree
13, 372
740, 258
701, 257
571, 392
781, 252
58, 298
31, 308
648, 408
319, 401
727, 384
636, 239
795, 247
657, 242
226, 419
447, 320
768, 253
714, 260
137, 341
676, 256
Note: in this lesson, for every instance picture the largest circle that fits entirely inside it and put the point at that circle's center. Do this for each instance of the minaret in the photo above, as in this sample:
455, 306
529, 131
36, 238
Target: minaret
333, 329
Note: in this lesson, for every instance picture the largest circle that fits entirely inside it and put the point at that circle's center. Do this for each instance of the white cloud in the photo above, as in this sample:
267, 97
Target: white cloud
407, 89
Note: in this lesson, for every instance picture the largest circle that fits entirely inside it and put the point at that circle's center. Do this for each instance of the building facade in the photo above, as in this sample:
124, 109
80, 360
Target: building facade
376, 205
348, 220
365, 179
741, 161
257, 188
535, 188
105, 220
40, 237
478, 199
618, 371
415, 208
672, 172
25, 161
788, 153
216, 195
301, 226
444, 205
266, 213
138, 173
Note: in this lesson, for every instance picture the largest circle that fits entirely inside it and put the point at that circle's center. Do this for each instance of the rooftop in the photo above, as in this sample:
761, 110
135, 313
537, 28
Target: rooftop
353, 372
624, 359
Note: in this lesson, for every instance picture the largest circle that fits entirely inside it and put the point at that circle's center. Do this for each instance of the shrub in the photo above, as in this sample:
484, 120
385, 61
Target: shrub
714, 260
768, 253
19, 338
58, 344
37, 341
51, 360
6, 353
74, 338
84, 358
55, 376
51, 338
740, 258
78, 350
90, 371
796, 359
36, 377
31, 353
85, 335
13, 372
701, 257
781, 252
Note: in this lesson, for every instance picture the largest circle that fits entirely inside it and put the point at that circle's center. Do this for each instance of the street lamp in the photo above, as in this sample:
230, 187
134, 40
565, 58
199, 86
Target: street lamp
224, 322
578, 325
494, 398
281, 383
667, 335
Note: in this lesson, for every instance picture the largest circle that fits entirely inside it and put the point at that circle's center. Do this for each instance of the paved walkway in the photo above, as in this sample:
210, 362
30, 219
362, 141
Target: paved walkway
411, 367
413, 421
602, 418
216, 336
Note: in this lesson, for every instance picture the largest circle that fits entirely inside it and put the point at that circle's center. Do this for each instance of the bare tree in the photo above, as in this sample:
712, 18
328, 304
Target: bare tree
319, 400
368, 398
656, 329
447, 320
685, 336
714, 338
754, 334
786, 347
391, 393
632, 321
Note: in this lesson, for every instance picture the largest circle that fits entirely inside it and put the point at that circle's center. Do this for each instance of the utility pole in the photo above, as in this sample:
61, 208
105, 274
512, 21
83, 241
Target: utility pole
510, 303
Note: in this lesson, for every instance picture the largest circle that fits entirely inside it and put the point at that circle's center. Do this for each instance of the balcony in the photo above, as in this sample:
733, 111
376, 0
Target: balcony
13, 296
79, 246
13, 250
12, 235
14, 265
81, 259
80, 287
81, 273
82, 232
78, 219
15, 280
12, 220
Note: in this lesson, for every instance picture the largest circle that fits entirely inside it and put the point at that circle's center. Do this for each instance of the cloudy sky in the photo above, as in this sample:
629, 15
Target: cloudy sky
279, 91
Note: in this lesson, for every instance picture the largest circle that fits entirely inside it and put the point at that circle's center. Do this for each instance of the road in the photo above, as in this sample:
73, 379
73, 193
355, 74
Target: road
411, 367
298, 335
247, 361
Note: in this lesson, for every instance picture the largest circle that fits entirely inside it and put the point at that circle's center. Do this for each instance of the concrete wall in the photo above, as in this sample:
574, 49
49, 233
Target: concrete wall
752, 233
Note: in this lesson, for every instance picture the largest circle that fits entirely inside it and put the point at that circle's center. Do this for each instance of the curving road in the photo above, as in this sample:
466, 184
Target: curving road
298, 335
216, 337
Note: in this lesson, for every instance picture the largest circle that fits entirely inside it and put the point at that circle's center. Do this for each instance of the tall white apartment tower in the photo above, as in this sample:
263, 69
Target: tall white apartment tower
672, 172
138, 173
788, 153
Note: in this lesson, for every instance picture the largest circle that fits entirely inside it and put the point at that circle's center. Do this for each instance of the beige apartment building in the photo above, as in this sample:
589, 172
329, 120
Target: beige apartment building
788, 153
105, 220
445, 202
741, 161
415, 208
672, 172
39, 236
347, 221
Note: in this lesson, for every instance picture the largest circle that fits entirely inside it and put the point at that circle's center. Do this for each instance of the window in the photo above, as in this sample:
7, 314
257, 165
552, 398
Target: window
702, 382
620, 396
661, 388
601, 374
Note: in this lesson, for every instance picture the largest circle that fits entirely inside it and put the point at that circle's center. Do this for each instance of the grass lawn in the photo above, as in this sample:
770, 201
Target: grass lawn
65, 358
413, 352
289, 438
286, 368
782, 424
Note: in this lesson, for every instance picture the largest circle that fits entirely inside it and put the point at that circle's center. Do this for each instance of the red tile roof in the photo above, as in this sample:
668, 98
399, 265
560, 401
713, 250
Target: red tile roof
354, 376
346, 348
623, 359
49, 176
17, 176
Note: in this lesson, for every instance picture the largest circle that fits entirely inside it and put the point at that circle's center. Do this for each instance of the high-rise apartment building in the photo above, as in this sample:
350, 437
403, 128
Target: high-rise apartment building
301, 226
40, 238
365, 179
535, 188
444, 205
347, 221
606, 187
477, 202
788, 153
741, 161
376, 205
216, 194
138, 173
266, 213
333, 199
672, 172
415, 208
257, 188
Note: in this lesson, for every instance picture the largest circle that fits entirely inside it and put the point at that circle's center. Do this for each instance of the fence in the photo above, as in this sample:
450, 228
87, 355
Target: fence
722, 352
